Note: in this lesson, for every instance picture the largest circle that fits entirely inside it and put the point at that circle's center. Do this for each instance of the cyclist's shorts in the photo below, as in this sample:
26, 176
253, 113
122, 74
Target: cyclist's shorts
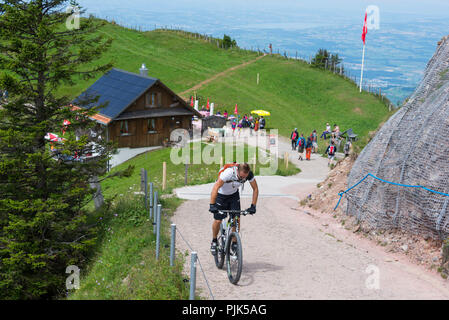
227, 202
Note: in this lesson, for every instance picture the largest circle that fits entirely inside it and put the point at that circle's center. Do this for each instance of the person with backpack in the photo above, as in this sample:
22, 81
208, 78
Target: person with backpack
314, 141
301, 146
330, 151
294, 138
225, 195
309, 145
347, 148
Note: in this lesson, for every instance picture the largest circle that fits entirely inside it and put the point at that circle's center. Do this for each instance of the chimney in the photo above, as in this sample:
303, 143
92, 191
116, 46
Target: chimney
143, 70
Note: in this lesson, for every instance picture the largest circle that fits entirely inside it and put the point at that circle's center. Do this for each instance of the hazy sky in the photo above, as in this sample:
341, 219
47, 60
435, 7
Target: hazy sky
424, 7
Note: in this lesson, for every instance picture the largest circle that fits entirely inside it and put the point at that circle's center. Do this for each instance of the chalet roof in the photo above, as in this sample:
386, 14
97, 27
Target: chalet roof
118, 89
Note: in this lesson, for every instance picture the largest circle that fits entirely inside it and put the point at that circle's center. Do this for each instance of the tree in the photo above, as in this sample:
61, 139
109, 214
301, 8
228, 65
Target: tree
44, 226
324, 58
320, 59
228, 42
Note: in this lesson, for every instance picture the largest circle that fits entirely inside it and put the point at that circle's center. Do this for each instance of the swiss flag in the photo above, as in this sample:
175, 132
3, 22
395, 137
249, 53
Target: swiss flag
236, 111
208, 105
365, 29
191, 102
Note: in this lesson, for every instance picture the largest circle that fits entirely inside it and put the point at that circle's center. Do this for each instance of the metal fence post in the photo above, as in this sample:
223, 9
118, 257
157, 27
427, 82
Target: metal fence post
151, 200
155, 204
172, 245
193, 275
158, 230
145, 178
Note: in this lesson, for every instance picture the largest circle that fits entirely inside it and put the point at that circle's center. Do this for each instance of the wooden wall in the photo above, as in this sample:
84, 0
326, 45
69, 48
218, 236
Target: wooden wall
138, 128
138, 131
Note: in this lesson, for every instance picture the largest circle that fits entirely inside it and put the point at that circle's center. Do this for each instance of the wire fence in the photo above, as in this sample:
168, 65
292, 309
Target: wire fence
412, 149
154, 208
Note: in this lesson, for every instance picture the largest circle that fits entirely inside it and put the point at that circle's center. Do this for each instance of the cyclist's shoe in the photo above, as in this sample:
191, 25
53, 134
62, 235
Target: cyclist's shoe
213, 248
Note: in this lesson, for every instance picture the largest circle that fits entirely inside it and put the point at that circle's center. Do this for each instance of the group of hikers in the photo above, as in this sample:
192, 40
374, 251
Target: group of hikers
253, 123
310, 145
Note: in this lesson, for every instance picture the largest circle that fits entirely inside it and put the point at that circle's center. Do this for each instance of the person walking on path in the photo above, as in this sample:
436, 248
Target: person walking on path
330, 151
233, 125
314, 142
262, 122
256, 125
309, 145
301, 146
240, 126
294, 137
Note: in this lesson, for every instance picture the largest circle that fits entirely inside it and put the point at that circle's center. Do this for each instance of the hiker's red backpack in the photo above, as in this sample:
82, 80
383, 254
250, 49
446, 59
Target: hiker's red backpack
331, 150
294, 136
226, 166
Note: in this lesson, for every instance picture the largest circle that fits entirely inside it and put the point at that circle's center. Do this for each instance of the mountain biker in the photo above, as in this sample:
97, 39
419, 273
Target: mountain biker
225, 195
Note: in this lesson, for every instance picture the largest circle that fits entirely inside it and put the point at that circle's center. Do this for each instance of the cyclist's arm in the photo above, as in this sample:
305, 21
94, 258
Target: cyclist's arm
214, 193
255, 191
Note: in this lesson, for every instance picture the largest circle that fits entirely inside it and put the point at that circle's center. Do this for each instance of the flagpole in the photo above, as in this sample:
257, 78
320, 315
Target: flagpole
363, 63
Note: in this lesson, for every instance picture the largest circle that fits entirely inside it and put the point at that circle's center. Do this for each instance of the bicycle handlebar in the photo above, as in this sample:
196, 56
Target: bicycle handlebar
242, 212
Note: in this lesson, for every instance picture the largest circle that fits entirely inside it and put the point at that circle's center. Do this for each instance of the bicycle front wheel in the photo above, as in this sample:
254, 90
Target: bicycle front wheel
234, 257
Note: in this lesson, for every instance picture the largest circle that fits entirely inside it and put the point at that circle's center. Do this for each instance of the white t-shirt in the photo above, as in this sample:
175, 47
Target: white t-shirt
231, 181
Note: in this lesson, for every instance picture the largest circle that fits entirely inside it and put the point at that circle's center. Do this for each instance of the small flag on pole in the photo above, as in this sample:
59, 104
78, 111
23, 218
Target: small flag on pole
208, 105
365, 29
191, 102
65, 124
236, 111
364, 32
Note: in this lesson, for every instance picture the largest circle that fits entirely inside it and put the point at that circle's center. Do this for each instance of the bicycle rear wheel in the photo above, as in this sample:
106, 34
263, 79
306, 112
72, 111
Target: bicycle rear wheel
220, 256
234, 258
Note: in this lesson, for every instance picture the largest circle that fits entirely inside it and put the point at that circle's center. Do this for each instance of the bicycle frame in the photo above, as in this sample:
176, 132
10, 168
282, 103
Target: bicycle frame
231, 222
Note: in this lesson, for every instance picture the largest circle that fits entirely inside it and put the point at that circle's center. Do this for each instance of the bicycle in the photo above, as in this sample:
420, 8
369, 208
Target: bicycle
234, 259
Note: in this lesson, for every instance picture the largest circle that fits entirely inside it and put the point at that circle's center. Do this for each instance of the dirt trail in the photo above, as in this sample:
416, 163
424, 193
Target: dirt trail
292, 254
218, 75
289, 254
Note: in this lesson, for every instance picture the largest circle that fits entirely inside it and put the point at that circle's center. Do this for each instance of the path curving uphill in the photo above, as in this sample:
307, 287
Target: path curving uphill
293, 254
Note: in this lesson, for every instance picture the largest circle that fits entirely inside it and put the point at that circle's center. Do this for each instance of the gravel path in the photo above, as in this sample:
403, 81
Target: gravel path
291, 254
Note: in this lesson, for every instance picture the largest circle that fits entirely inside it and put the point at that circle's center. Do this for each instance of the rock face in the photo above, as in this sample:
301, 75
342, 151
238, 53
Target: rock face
412, 148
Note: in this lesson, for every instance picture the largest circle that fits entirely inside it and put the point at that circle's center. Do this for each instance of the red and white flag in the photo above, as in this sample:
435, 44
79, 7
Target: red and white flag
208, 104
65, 124
191, 102
236, 111
365, 28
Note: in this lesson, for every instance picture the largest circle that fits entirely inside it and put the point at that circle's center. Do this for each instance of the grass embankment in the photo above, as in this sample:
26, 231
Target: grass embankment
197, 173
124, 264
298, 96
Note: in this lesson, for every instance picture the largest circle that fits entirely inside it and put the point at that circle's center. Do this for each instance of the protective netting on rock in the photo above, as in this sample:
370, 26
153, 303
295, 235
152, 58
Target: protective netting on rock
412, 148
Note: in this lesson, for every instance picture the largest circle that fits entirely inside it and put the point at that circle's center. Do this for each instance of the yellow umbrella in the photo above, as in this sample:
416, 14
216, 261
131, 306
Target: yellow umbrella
261, 113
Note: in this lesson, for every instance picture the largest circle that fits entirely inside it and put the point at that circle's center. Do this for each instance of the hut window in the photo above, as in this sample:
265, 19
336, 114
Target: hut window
152, 126
150, 99
159, 99
124, 128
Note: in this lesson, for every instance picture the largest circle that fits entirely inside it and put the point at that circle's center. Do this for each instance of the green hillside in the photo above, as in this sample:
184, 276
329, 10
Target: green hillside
296, 94
179, 61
